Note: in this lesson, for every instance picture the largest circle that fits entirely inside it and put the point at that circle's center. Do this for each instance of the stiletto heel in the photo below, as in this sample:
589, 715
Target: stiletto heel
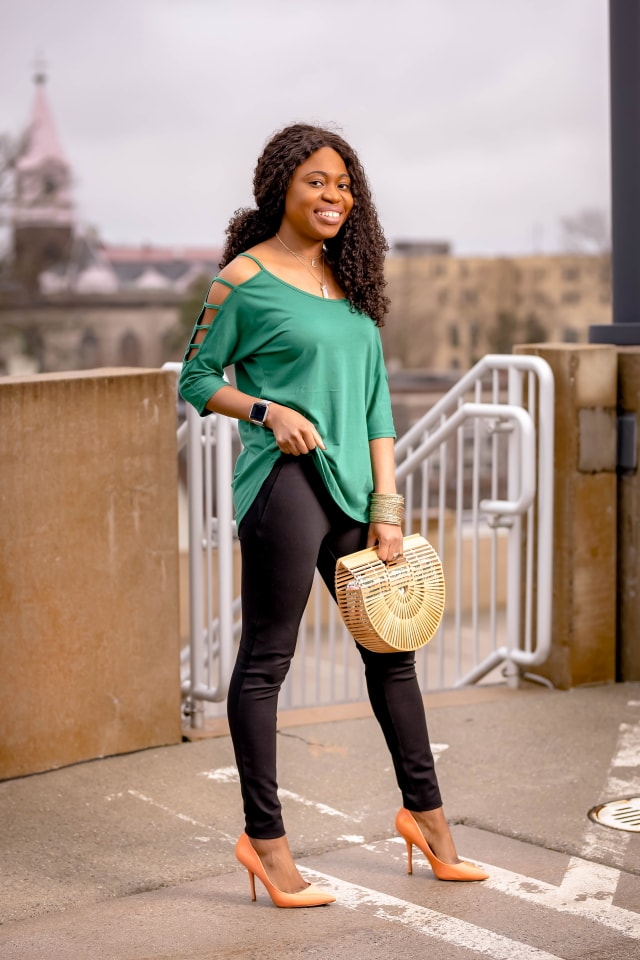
407, 827
409, 855
311, 896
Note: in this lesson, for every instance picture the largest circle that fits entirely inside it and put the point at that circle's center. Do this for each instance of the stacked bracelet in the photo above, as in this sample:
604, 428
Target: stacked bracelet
386, 508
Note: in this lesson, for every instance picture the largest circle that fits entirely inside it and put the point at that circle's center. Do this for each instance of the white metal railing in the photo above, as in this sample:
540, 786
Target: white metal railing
214, 612
477, 474
518, 461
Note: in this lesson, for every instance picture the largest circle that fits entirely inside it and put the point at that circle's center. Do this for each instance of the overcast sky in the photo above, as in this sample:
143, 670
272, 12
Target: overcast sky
480, 122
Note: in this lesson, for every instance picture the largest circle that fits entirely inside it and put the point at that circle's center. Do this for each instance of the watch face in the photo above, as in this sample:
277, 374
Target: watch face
258, 412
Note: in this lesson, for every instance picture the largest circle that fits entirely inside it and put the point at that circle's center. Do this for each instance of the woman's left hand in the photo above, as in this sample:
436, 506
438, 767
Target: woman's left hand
387, 539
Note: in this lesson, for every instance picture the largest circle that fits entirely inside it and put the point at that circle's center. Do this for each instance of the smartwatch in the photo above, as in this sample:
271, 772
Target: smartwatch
258, 412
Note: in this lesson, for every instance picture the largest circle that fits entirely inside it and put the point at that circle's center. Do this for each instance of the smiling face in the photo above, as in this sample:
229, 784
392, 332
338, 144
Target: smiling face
318, 199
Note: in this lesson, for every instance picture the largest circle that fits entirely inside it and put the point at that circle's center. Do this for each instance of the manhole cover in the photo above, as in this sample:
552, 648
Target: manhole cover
619, 814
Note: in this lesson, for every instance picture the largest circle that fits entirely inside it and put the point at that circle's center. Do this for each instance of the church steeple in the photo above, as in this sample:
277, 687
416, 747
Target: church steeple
43, 215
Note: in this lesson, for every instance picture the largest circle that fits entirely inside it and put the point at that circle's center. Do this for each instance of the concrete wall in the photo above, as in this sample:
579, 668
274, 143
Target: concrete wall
89, 631
629, 525
585, 513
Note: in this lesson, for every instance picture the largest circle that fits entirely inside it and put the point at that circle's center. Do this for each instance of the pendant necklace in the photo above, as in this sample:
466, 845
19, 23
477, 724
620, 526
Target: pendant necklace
313, 260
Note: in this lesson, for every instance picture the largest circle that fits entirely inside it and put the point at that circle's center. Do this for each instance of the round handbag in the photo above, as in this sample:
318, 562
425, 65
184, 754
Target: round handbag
388, 607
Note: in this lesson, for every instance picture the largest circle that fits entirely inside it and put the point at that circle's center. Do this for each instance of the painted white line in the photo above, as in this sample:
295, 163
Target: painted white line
628, 750
222, 775
585, 892
216, 834
601, 842
319, 807
230, 775
172, 813
591, 884
429, 923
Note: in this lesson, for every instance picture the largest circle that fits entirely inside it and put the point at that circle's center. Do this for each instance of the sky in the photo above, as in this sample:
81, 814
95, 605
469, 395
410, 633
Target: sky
482, 123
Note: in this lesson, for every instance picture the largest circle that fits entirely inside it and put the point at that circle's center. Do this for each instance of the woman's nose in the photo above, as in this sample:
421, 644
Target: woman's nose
331, 192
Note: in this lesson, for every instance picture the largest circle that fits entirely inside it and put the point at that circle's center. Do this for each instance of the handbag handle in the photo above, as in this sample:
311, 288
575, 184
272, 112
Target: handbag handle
399, 572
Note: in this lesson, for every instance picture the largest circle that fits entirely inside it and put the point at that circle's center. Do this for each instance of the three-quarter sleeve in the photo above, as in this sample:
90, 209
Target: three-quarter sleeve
379, 415
203, 372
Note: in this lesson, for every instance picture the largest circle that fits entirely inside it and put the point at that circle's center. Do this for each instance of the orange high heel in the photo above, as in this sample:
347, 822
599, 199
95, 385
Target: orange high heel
312, 896
408, 828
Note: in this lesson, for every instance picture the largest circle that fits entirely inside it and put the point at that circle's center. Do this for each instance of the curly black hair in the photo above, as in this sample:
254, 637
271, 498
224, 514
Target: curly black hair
356, 253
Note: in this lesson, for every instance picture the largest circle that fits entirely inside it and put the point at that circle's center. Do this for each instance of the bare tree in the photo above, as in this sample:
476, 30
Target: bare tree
587, 231
10, 150
177, 337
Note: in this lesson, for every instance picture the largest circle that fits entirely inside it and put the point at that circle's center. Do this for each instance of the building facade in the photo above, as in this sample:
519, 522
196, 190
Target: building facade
447, 312
69, 301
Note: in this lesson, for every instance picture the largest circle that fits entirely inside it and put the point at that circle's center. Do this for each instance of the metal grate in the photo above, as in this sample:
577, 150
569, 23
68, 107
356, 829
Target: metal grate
619, 814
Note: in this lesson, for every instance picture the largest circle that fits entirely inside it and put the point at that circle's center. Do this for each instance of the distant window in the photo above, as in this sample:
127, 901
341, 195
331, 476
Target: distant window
443, 297
130, 350
90, 354
454, 337
570, 274
571, 296
474, 332
53, 251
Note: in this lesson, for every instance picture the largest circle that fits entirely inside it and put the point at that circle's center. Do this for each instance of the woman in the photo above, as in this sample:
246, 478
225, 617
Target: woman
296, 308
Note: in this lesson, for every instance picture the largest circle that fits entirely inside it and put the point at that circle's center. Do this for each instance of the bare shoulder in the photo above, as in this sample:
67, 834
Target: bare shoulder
234, 274
239, 270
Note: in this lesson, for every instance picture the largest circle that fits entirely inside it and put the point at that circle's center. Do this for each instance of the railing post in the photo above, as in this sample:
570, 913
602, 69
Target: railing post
224, 470
196, 595
514, 548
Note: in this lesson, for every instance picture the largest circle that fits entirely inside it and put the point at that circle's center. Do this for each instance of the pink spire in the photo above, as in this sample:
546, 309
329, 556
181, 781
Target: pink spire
42, 137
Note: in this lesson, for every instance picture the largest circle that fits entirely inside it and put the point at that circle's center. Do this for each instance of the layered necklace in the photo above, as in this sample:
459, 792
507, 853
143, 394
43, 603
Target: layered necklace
313, 261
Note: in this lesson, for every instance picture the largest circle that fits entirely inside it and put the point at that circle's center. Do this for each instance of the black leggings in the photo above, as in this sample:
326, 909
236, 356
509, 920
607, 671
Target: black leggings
293, 526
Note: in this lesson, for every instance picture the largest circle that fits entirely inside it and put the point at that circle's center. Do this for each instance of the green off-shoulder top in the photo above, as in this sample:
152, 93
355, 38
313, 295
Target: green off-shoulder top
321, 357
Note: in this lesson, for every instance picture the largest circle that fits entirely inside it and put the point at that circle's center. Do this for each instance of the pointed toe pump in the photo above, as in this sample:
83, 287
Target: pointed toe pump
409, 830
311, 896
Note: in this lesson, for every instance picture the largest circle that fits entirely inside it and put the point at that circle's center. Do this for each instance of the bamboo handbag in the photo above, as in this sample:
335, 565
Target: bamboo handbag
396, 606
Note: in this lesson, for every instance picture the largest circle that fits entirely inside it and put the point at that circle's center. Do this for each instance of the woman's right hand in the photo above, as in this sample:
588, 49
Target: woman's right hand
294, 433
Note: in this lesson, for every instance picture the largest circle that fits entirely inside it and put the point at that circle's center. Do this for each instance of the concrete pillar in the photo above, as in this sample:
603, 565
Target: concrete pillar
584, 564
89, 632
629, 518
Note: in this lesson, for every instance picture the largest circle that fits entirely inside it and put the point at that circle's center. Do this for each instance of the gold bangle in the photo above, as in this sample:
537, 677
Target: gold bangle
386, 508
